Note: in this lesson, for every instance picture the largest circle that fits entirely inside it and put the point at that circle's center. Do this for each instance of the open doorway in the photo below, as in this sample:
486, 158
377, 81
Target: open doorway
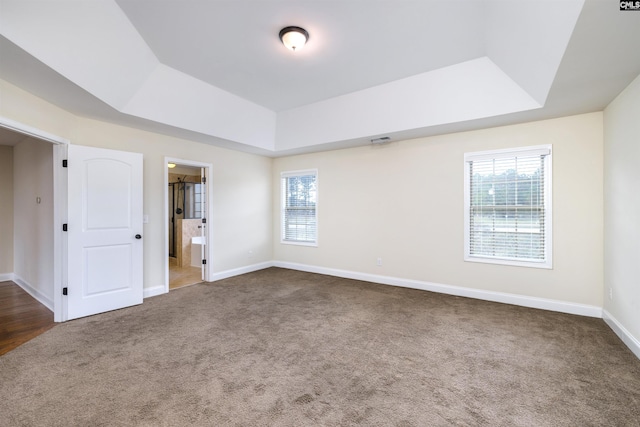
51, 209
34, 259
186, 210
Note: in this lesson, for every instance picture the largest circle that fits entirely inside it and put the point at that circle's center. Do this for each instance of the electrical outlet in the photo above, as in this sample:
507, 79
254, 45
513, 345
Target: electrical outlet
379, 262
611, 294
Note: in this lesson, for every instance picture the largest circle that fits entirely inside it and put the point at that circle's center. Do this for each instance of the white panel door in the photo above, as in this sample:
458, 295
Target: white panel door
104, 230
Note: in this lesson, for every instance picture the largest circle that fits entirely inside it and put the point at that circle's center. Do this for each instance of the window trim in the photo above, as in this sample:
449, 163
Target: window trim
548, 207
288, 174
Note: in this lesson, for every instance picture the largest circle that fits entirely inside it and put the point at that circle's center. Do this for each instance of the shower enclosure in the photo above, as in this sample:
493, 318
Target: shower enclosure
185, 202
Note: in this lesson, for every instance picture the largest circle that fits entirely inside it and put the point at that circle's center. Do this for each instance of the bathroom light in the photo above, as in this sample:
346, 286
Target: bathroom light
294, 38
171, 165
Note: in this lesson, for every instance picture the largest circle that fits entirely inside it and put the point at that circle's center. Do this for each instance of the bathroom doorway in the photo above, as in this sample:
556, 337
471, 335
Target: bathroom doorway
186, 214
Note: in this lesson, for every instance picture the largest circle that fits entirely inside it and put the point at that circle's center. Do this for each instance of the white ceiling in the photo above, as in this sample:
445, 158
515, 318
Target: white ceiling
215, 71
353, 45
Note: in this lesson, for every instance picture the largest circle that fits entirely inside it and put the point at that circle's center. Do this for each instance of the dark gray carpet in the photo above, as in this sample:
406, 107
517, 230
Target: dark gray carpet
286, 348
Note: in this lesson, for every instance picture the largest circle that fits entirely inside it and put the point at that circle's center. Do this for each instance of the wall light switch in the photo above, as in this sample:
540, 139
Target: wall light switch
145, 219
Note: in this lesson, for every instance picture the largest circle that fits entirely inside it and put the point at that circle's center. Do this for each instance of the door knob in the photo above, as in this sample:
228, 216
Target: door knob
138, 236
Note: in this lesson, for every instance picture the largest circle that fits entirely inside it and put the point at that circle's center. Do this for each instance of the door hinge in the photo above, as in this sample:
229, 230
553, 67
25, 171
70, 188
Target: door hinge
204, 220
65, 163
204, 261
64, 227
204, 179
64, 291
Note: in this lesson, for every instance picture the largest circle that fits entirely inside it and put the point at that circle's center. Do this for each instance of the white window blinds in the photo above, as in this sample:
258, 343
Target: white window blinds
299, 207
508, 205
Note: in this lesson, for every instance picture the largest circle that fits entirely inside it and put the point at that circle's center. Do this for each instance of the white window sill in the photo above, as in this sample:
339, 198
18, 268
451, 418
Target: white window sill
485, 260
296, 243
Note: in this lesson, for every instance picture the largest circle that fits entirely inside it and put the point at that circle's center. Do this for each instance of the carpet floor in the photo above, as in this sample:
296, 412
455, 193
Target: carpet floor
287, 348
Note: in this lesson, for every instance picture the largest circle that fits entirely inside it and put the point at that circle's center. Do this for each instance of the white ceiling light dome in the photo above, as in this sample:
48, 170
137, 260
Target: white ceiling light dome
294, 38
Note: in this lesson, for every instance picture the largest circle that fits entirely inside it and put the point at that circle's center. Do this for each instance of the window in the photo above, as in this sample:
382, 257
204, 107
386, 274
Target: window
508, 206
299, 207
193, 200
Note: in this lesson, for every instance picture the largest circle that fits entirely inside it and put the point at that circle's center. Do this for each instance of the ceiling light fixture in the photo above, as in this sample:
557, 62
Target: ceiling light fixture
294, 38
171, 165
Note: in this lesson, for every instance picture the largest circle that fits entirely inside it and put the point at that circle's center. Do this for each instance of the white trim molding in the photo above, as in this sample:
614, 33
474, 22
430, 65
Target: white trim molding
6, 277
58, 305
626, 337
240, 270
521, 300
545, 230
283, 206
159, 290
152, 292
24, 129
39, 296
208, 233
500, 297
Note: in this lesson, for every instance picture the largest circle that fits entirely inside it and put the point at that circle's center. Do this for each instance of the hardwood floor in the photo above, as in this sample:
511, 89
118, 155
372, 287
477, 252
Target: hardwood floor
21, 317
179, 277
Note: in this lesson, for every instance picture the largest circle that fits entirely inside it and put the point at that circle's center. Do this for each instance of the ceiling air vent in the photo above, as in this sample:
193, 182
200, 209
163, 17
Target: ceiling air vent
382, 140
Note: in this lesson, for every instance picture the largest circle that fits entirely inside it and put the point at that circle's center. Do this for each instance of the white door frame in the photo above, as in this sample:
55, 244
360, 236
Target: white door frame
59, 208
207, 236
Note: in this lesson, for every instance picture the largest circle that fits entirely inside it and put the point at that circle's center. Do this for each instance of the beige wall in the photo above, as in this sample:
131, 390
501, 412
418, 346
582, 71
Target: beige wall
241, 206
403, 202
622, 209
240, 220
33, 222
6, 209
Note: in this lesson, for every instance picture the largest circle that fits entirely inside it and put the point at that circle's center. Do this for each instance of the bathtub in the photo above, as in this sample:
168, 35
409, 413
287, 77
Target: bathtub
197, 243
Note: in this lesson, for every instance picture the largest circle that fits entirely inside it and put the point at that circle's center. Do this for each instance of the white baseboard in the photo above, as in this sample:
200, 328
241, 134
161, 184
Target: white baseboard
152, 292
501, 297
626, 337
42, 298
238, 271
159, 290
521, 300
5, 277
